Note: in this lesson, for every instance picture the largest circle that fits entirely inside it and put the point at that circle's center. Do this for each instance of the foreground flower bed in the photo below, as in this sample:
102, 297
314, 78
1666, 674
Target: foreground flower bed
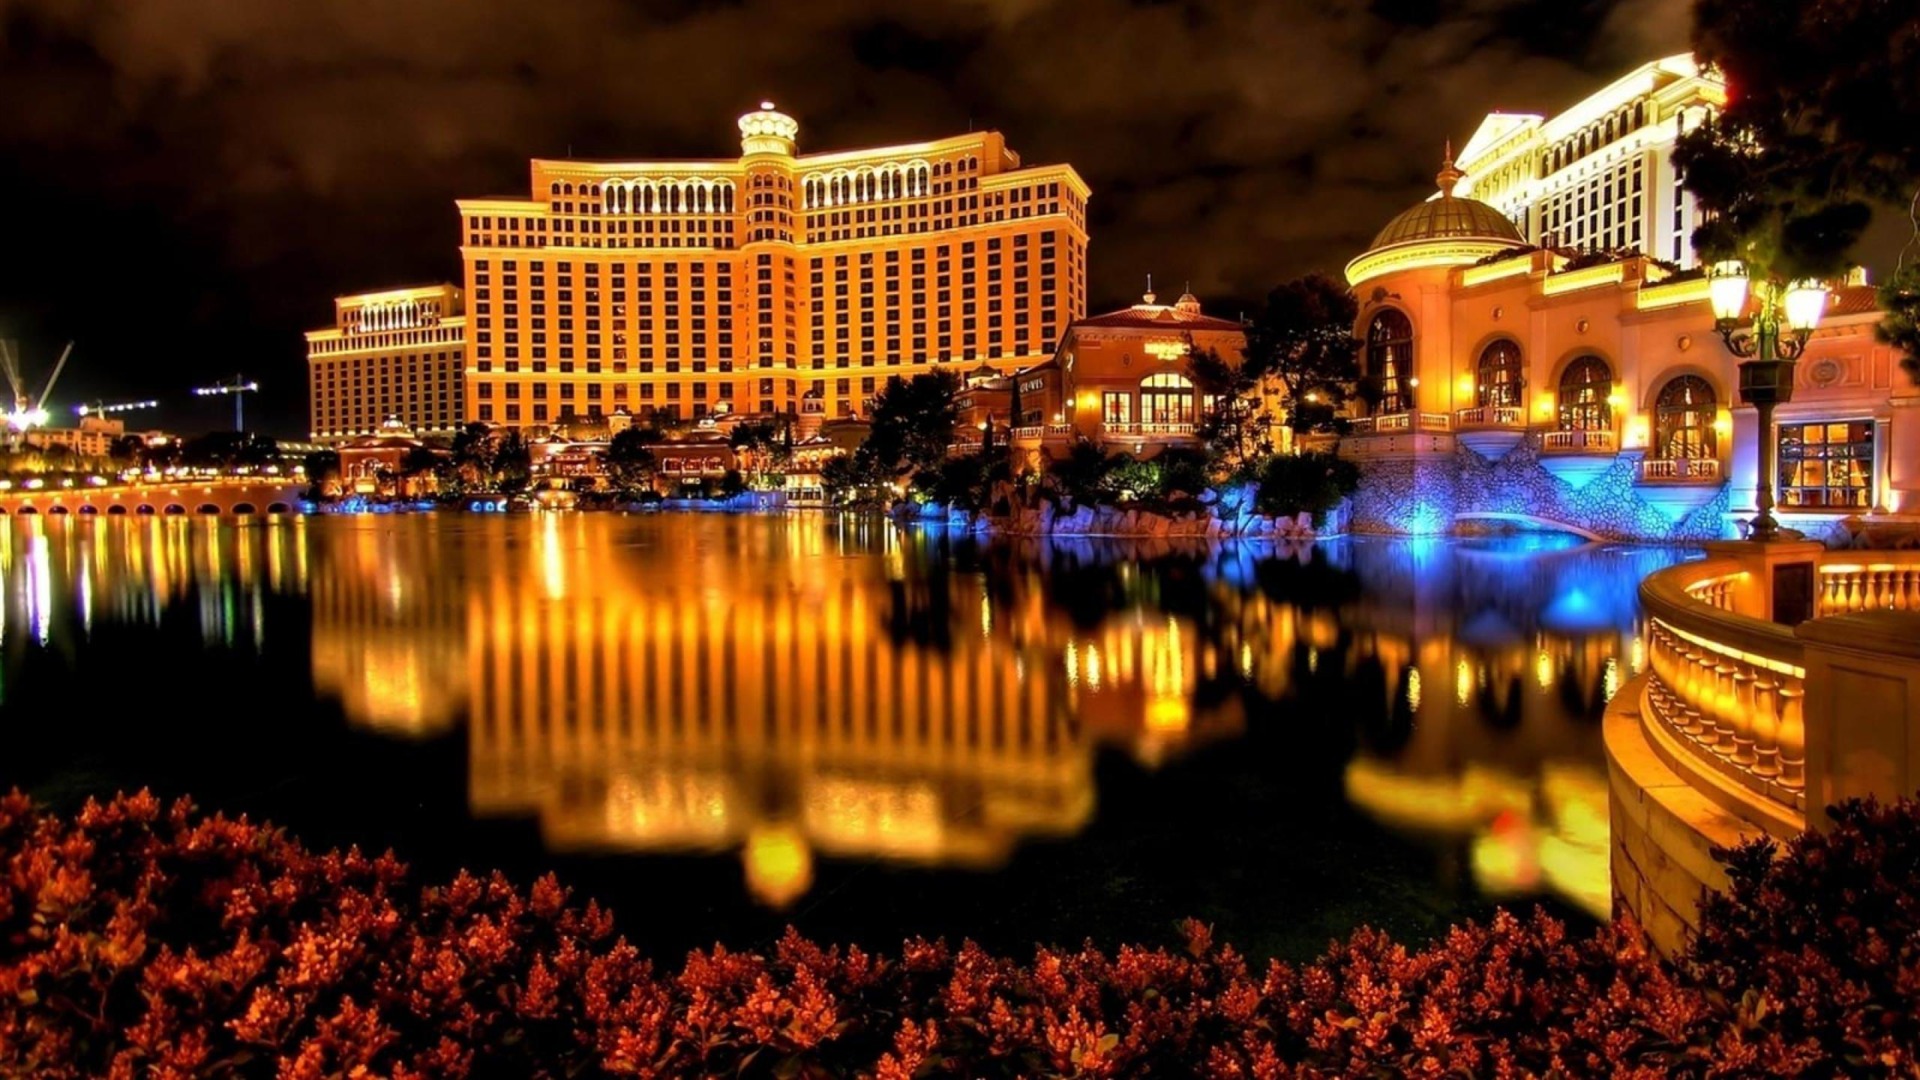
143, 940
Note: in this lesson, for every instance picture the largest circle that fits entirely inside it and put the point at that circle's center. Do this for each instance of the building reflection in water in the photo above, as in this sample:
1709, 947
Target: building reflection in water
785, 689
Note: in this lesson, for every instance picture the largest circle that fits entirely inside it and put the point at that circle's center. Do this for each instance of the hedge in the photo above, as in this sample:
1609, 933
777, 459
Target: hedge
141, 940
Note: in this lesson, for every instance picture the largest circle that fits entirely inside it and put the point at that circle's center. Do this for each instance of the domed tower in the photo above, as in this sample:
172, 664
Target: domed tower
1444, 230
766, 231
1188, 305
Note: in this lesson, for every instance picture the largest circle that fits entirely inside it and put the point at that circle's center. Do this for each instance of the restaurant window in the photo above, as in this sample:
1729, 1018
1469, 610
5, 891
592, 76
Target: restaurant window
1498, 378
1826, 465
1584, 389
1683, 418
1166, 397
1116, 408
1390, 360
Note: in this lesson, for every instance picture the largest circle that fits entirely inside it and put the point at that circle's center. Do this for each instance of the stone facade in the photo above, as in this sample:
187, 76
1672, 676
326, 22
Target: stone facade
1428, 495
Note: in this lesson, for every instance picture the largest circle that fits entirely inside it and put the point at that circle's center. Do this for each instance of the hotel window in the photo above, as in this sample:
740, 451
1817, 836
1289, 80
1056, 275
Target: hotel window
1826, 465
1584, 389
1390, 360
1499, 375
1683, 419
1116, 408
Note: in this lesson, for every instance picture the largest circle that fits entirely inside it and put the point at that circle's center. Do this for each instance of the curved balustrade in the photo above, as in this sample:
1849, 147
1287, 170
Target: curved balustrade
1502, 416
1727, 690
1680, 470
1592, 439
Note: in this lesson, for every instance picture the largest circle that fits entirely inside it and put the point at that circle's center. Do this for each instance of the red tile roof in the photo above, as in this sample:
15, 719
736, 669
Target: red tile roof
1156, 317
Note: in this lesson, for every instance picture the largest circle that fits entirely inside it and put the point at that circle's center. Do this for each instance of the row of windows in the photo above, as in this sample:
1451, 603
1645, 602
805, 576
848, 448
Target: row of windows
1683, 415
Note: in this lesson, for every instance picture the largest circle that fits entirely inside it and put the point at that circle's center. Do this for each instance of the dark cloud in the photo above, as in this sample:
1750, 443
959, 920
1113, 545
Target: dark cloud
194, 179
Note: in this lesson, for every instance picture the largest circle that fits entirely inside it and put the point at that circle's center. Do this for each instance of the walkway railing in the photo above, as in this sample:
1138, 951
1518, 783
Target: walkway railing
1727, 690
1600, 439
1680, 470
1875, 586
1150, 428
1504, 416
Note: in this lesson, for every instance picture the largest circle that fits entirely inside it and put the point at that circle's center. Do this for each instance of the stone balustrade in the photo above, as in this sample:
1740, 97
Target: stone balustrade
1589, 440
1680, 470
1483, 416
1882, 585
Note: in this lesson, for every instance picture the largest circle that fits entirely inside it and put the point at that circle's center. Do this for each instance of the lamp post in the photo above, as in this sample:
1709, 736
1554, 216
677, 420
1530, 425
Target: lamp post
1768, 345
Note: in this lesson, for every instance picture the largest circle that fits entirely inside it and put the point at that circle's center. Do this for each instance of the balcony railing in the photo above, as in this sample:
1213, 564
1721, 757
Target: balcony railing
1485, 416
1029, 431
1727, 690
1150, 429
1394, 423
1591, 440
1680, 470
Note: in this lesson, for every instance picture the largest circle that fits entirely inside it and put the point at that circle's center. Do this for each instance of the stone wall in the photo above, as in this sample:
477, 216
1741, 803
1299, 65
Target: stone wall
1428, 495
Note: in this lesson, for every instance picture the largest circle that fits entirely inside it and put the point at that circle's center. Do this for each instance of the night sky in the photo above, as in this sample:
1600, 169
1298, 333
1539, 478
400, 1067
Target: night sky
189, 182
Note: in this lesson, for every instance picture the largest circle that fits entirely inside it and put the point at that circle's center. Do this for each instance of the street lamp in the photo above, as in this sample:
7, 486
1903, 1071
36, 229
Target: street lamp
1767, 356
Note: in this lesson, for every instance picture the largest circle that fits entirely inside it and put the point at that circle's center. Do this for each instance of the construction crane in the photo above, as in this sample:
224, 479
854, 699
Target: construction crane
28, 411
108, 408
239, 386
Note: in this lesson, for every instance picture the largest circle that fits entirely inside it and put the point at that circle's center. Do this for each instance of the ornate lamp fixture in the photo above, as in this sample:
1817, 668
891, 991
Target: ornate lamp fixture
1768, 345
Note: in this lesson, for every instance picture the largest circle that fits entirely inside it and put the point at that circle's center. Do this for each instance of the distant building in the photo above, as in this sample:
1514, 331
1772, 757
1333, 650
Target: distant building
396, 354
92, 437
376, 464
767, 283
1599, 175
1121, 380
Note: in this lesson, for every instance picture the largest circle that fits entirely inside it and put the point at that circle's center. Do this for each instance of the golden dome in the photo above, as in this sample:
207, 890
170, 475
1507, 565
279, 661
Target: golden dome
1448, 217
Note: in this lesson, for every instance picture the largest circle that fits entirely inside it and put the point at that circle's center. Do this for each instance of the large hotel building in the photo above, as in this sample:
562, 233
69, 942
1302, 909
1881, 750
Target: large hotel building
772, 282
393, 355
1599, 175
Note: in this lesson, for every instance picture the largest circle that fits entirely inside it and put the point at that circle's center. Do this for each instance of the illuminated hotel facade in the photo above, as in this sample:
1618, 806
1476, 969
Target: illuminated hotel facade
399, 354
768, 283
1600, 175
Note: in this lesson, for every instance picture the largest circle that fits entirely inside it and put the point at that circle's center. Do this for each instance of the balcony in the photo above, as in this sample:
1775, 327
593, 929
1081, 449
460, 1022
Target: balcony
1678, 486
1491, 430
1399, 435
1589, 441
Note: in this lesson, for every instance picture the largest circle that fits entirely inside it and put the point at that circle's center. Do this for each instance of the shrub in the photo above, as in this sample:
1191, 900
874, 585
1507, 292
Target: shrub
142, 940
1310, 482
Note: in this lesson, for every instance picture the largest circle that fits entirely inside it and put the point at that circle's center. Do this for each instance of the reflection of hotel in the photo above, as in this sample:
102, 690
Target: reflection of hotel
770, 282
642, 705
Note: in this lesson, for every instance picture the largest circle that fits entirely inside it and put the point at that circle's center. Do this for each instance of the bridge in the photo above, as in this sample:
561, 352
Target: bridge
226, 495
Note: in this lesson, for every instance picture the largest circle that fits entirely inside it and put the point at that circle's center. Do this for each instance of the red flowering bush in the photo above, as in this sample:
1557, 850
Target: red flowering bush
140, 940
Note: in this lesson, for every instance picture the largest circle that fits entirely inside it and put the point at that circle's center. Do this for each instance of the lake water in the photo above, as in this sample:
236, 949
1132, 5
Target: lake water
722, 724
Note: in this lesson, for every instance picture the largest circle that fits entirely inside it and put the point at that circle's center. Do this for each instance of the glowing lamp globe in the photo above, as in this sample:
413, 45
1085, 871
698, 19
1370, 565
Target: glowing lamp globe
1727, 286
1806, 303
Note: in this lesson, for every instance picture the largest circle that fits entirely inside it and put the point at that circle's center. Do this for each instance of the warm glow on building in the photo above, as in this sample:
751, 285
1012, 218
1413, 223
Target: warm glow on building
771, 282
393, 355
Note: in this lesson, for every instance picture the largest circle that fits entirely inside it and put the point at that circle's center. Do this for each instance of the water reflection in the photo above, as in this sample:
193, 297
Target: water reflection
783, 690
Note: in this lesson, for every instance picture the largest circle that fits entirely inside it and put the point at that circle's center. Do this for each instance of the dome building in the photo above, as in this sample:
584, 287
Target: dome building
1588, 390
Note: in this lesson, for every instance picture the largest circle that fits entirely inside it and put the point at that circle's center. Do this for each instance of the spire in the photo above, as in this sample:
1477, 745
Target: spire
1147, 297
1448, 175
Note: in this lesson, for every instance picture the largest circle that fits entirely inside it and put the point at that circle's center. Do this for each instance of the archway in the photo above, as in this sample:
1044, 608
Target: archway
143, 508
207, 508
244, 508
174, 509
89, 508
28, 510
116, 508
56, 508
279, 508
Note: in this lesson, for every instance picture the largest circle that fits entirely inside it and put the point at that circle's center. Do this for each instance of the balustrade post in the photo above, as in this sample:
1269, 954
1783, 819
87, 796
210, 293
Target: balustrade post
1740, 713
1793, 736
1722, 709
1766, 723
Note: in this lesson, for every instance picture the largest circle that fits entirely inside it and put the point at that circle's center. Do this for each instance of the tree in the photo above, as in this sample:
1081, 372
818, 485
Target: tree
228, 449
1016, 413
1301, 345
912, 423
1235, 426
1822, 119
320, 467
630, 461
512, 464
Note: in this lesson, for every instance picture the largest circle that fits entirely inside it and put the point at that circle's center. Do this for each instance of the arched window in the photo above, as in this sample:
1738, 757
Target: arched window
1683, 417
1390, 360
1499, 375
1166, 397
1584, 389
